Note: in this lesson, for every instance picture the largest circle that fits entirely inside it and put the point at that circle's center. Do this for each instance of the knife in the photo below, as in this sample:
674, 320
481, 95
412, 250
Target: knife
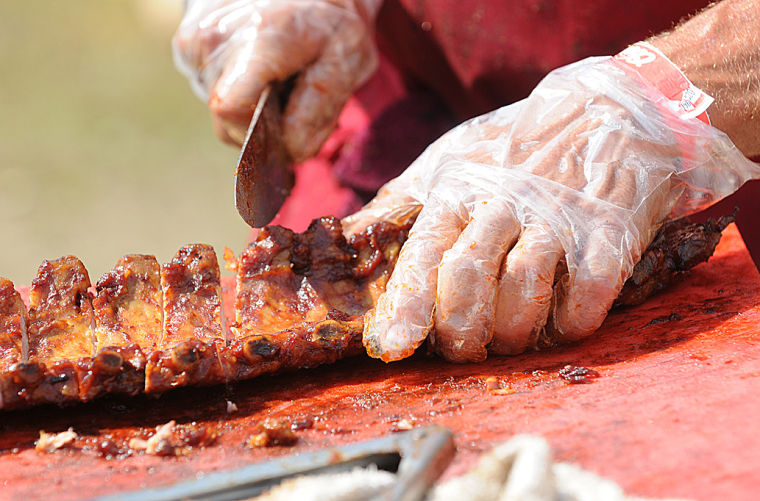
264, 176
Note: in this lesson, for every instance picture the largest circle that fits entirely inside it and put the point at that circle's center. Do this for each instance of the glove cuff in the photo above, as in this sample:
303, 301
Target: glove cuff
645, 62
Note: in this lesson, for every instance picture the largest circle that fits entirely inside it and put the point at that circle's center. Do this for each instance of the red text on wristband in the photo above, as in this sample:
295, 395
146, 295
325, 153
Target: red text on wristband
683, 98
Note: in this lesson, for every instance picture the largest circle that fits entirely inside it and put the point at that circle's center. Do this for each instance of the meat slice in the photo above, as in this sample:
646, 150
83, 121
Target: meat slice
13, 341
301, 298
60, 313
271, 295
192, 291
128, 317
128, 304
13, 338
188, 350
60, 335
286, 279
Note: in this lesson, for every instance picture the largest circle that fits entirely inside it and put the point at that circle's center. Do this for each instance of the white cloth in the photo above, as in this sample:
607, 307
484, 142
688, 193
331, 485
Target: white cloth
521, 469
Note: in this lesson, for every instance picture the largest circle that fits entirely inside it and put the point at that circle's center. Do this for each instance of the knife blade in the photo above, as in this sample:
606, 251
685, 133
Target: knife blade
264, 176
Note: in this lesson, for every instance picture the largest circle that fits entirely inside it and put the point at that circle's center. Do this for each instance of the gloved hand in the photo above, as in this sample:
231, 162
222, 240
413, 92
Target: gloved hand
232, 49
534, 215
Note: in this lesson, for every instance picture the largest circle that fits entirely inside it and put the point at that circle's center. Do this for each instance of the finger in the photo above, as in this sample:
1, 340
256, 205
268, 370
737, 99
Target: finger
197, 35
202, 44
467, 279
595, 276
235, 94
557, 159
525, 291
322, 90
280, 46
230, 133
403, 315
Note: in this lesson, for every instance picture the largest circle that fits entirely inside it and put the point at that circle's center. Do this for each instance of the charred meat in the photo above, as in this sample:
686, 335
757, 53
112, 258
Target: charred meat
300, 302
679, 246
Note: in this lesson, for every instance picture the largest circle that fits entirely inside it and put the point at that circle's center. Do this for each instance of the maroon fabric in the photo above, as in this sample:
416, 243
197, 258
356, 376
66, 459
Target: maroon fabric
481, 54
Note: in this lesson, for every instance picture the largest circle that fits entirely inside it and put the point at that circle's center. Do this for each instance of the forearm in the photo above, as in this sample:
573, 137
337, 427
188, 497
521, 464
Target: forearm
719, 51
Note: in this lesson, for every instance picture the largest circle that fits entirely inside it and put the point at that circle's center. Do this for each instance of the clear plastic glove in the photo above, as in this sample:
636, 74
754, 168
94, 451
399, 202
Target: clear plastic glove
534, 215
230, 50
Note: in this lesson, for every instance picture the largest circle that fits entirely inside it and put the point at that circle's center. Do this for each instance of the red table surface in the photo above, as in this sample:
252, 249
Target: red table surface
675, 411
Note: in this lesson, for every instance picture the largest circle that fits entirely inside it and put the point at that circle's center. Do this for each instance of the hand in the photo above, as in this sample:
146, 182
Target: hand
533, 216
232, 49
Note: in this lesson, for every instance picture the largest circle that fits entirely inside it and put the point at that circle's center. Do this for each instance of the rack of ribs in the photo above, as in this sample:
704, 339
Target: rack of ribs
300, 302
148, 328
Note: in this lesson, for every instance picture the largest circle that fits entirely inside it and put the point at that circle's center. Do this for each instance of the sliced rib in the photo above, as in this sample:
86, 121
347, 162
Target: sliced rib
13, 337
60, 332
14, 343
191, 288
60, 312
301, 297
128, 317
128, 304
192, 334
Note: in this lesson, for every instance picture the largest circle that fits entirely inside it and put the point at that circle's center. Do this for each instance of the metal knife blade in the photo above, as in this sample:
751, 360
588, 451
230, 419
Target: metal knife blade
264, 176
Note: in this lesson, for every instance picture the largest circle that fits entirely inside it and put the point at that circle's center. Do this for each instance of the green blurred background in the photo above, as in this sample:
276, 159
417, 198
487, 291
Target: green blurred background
104, 149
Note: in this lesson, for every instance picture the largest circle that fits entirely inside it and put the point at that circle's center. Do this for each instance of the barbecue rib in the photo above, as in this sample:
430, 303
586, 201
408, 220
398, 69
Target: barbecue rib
12, 324
128, 304
300, 302
192, 335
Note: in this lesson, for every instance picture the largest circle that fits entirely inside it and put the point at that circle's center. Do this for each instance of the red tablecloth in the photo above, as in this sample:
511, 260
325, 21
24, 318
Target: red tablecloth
674, 412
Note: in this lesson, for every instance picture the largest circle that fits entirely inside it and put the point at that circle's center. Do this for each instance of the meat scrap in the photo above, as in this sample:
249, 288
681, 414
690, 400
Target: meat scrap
171, 439
159, 444
272, 432
497, 386
403, 424
301, 300
50, 442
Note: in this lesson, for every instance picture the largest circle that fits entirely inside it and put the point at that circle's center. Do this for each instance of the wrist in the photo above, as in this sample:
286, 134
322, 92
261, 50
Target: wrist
682, 106
667, 86
719, 51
